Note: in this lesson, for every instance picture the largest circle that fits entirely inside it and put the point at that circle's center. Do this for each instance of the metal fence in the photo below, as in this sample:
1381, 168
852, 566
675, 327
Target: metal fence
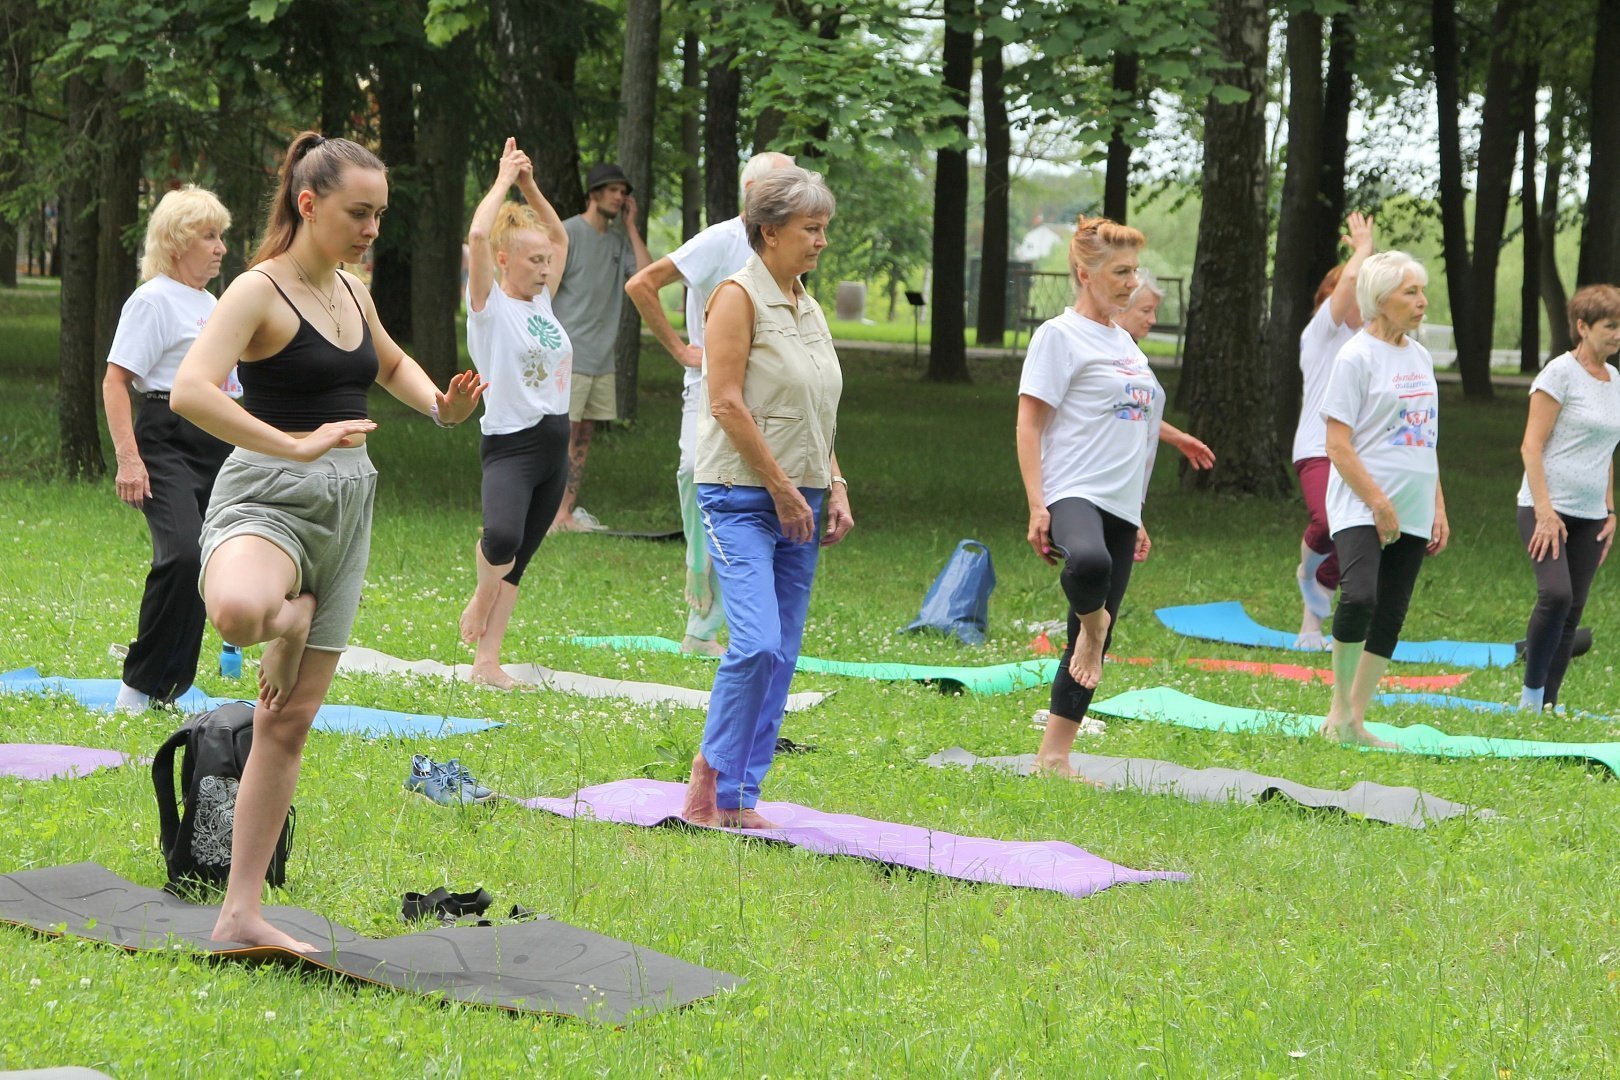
1039, 295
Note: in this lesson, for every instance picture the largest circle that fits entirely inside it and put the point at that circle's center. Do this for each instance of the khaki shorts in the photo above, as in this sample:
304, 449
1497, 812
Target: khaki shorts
593, 397
318, 512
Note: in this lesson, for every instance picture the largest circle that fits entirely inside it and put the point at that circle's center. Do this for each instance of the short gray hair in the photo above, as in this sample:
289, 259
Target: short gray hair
1381, 275
758, 166
1146, 283
782, 194
180, 217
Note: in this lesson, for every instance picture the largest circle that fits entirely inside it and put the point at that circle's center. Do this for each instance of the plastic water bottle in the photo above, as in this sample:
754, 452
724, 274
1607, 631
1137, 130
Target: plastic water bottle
230, 661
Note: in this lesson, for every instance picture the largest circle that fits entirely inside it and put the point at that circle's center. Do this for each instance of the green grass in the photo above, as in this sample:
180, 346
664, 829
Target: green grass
1303, 945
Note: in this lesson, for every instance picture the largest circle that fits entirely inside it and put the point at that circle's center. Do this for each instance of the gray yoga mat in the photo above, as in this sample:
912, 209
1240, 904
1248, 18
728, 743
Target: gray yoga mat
534, 967
1392, 805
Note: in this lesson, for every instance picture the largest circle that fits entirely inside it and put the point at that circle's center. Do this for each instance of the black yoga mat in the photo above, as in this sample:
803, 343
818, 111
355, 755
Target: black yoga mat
534, 967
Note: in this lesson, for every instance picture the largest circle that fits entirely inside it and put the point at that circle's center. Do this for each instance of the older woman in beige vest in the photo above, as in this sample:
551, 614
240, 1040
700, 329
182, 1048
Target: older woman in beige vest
768, 414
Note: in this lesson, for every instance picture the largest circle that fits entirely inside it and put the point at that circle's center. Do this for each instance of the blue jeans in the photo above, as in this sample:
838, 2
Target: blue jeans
765, 584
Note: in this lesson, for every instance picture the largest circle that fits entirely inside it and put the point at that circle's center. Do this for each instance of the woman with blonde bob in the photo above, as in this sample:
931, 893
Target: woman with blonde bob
767, 417
166, 464
1385, 507
288, 530
517, 253
1566, 501
1089, 414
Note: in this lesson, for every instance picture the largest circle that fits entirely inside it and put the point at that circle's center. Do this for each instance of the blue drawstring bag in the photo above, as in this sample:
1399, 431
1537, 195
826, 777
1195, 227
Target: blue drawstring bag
958, 602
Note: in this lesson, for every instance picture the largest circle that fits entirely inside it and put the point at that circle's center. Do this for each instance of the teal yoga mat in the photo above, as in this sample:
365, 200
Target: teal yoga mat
1173, 707
993, 679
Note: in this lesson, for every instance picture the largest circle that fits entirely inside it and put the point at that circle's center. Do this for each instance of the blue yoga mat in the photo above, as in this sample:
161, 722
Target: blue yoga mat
335, 719
1448, 701
1227, 621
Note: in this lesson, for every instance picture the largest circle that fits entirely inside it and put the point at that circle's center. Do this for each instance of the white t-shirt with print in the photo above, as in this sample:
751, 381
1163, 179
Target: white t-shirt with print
705, 261
1580, 448
1319, 343
159, 322
1388, 398
524, 354
1106, 410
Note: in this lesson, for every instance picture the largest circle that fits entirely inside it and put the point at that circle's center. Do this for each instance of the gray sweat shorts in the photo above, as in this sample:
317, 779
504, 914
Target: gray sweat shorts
318, 512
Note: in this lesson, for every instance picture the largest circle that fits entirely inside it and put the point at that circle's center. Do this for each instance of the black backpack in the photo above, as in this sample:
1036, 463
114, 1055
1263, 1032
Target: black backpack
196, 842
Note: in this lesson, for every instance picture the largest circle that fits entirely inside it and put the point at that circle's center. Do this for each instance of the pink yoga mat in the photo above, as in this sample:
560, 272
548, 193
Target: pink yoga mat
1048, 864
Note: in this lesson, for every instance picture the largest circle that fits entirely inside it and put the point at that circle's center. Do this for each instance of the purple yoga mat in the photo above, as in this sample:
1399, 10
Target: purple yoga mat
1048, 864
37, 761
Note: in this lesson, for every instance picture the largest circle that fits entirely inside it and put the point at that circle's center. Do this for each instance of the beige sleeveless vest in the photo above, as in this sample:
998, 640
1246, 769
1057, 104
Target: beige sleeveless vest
791, 387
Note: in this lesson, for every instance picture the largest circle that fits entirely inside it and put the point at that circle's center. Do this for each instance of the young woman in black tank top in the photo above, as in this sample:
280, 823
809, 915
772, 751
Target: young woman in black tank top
310, 345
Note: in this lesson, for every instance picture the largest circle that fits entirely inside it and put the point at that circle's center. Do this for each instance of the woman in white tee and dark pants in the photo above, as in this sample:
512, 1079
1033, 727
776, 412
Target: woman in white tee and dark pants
1566, 501
518, 345
1384, 503
166, 464
1089, 410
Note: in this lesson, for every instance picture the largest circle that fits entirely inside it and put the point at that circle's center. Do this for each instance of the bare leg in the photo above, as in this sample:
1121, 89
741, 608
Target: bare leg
486, 668
475, 616
1085, 666
579, 446
262, 800
699, 808
1052, 759
1355, 679
247, 587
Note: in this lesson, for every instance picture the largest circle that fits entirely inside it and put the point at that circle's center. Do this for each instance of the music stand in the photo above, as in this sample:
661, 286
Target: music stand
915, 299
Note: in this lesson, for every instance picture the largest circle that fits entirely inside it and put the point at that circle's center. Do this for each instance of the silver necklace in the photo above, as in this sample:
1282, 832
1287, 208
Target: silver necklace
329, 302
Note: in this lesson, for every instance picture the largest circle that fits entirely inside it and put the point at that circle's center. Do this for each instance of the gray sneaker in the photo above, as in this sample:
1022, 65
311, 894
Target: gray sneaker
587, 520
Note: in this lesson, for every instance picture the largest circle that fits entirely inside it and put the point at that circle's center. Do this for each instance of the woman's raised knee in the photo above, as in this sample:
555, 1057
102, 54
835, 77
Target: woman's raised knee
242, 620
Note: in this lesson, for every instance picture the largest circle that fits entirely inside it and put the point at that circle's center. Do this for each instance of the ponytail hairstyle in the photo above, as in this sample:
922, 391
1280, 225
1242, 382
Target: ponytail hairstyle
510, 220
313, 163
1330, 283
1095, 239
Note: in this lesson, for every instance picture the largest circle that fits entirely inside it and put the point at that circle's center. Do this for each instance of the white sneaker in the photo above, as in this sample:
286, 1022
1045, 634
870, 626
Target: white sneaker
131, 700
587, 520
1089, 725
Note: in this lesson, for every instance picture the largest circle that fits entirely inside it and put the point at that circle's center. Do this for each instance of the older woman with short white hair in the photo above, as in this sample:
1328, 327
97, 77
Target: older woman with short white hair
166, 464
766, 469
1385, 507
1137, 320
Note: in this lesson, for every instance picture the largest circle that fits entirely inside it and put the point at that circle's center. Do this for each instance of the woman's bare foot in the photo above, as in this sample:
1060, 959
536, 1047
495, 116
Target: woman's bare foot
696, 646
494, 675
278, 666
1047, 765
746, 818
475, 616
1085, 666
1352, 732
255, 931
699, 807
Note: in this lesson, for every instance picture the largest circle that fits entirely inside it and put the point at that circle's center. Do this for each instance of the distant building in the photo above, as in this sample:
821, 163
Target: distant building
1041, 240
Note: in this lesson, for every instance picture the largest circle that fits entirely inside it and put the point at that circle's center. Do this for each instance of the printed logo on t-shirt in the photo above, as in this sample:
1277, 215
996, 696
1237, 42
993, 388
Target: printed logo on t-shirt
1419, 422
1138, 403
547, 331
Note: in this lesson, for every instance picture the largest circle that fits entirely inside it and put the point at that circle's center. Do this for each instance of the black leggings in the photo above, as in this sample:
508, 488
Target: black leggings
1098, 552
1561, 588
1375, 586
524, 475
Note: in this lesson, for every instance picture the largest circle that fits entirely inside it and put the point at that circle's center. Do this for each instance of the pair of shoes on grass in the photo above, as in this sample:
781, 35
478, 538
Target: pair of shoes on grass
445, 783
458, 909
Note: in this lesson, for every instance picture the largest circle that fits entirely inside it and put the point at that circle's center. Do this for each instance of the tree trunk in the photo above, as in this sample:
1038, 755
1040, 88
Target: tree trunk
14, 90
1117, 181
691, 138
118, 185
79, 435
1292, 287
441, 155
537, 45
1453, 195
396, 133
337, 96
1338, 97
767, 129
1553, 296
1233, 385
947, 314
1530, 293
638, 97
997, 184
1600, 233
720, 135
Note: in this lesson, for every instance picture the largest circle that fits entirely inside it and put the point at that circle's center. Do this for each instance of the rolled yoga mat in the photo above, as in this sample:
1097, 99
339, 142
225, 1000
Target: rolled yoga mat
1227, 621
992, 679
531, 967
48, 761
1169, 706
359, 660
1376, 802
333, 719
1051, 864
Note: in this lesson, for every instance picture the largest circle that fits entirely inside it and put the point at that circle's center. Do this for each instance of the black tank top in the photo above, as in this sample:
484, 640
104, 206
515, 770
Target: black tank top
310, 382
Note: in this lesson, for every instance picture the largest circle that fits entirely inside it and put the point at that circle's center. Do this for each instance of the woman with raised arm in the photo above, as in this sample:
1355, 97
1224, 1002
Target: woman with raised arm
1384, 503
1089, 410
517, 253
1566, 501
288, 530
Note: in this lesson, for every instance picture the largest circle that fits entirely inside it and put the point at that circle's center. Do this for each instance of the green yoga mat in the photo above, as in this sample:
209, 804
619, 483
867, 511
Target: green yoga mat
1173, 707
994, 679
